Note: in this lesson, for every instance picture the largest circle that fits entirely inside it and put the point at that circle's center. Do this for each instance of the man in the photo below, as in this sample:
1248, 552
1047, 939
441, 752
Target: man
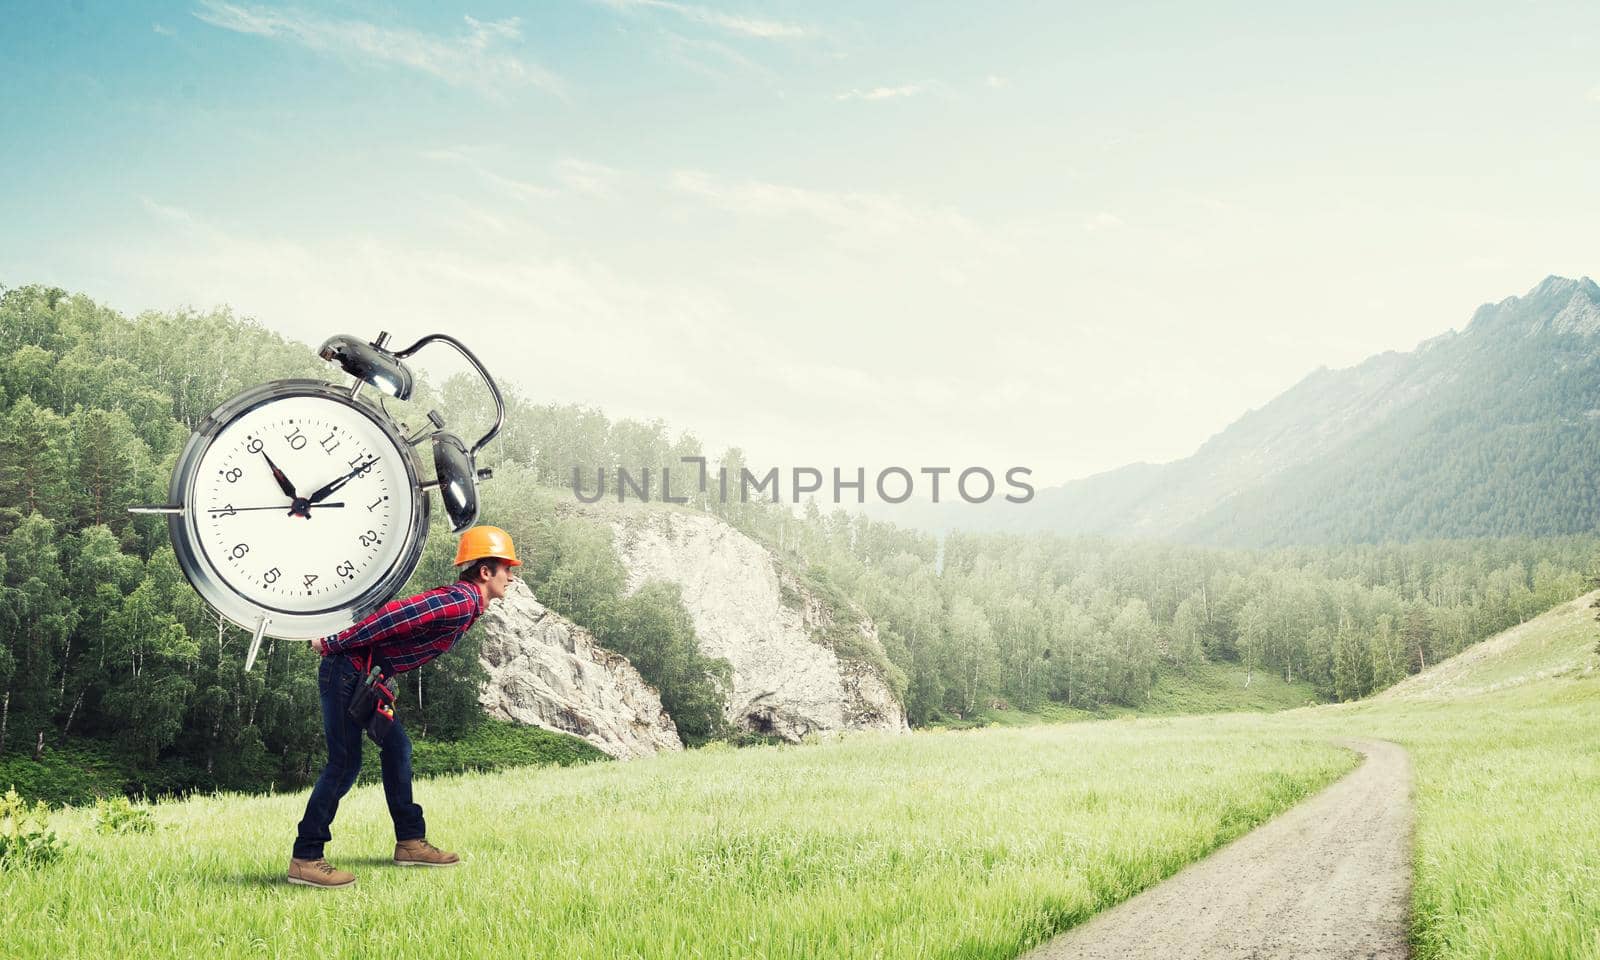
400, 636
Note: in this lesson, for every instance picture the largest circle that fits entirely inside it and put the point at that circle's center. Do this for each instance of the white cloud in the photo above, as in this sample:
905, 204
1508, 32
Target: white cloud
483, 220
994, 82
593, 179
177, 216
576, 176
883, 93
163, 30
1102, 221
858, 213
465, 61
732, 23
1594, 94
697, 52
519, 189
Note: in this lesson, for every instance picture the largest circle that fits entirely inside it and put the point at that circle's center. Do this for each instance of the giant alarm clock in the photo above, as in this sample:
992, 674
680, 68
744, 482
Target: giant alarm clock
299, 507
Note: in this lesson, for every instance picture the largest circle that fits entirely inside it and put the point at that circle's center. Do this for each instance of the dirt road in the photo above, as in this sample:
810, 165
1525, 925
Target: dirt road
1329, 878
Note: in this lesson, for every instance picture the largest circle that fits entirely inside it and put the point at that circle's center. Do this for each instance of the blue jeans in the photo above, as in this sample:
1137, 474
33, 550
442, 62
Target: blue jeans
336, 681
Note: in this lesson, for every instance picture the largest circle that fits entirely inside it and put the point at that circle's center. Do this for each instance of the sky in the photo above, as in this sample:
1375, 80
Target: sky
1060, 236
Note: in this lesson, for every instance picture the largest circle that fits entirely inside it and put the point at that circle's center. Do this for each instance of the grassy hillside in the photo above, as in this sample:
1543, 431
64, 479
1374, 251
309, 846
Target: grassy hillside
1559, 643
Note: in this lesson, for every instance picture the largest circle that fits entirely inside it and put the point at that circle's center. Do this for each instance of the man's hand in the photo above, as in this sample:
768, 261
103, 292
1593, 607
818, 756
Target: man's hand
319, 646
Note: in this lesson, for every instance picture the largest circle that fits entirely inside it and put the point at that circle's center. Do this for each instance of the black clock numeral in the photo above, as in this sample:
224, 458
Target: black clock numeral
271, 576
226, 511
359, 460
310, 579
240, 549
329, 444
234, 475
295, 440
370, 538
254, 446
346, 569
374, 504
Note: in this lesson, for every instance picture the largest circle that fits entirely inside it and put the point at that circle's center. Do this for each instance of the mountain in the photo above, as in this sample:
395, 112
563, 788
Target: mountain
1492, 431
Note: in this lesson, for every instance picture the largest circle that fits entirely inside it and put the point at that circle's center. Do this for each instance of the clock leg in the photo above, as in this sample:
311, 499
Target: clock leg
255, 644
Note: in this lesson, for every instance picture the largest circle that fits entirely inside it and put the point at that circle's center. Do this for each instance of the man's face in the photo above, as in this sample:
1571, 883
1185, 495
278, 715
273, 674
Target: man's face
495, 584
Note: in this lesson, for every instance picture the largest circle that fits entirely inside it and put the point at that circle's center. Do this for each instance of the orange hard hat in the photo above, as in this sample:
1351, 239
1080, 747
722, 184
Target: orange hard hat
486, 541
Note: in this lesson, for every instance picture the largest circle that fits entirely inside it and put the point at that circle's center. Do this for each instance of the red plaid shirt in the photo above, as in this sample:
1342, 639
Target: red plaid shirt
408, 633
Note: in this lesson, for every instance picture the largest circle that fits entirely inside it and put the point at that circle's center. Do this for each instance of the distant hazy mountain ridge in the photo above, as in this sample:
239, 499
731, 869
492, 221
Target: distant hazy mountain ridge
1493, 431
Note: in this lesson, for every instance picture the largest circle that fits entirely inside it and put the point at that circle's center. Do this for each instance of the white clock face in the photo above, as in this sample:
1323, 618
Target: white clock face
345, 525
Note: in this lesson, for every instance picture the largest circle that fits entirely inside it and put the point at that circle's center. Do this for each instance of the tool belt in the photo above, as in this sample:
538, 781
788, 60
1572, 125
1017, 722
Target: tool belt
372, 702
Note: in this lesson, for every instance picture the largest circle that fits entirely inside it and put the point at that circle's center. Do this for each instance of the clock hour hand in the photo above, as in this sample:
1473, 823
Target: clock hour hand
230, 511
283, 481
327, 489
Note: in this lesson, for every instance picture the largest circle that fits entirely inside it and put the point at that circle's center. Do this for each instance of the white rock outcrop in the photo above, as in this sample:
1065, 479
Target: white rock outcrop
786, 680
547, 671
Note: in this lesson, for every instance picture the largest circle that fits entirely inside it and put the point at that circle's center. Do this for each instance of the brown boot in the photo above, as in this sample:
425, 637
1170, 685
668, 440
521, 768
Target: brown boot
318, 873
421, 853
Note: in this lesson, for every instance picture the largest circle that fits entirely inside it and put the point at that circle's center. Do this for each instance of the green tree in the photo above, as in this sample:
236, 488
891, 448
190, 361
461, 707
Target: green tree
27, 372
655, 632
150, 687
1185, 645
45, 618
970, 657
1352, 663
33, 461
110, 464
99, 577
1133, 640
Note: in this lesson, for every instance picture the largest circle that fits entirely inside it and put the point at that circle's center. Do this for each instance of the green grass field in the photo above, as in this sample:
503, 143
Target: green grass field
1222, 687
970, 844
950, 844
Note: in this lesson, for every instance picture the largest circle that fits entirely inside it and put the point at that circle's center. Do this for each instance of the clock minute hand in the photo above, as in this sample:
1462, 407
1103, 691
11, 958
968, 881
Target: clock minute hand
229, 511
327, 489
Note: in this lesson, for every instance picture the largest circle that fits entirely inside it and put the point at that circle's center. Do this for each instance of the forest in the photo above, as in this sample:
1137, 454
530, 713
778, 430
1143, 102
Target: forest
106, 651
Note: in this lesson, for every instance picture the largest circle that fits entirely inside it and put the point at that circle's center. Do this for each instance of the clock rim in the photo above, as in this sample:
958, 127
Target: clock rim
212, 584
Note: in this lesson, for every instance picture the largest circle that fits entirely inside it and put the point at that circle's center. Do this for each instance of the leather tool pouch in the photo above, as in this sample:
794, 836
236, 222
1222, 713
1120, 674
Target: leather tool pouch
372, 704
381, 722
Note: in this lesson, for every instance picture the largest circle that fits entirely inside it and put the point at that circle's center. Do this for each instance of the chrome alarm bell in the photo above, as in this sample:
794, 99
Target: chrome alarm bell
457, 480
369, 363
